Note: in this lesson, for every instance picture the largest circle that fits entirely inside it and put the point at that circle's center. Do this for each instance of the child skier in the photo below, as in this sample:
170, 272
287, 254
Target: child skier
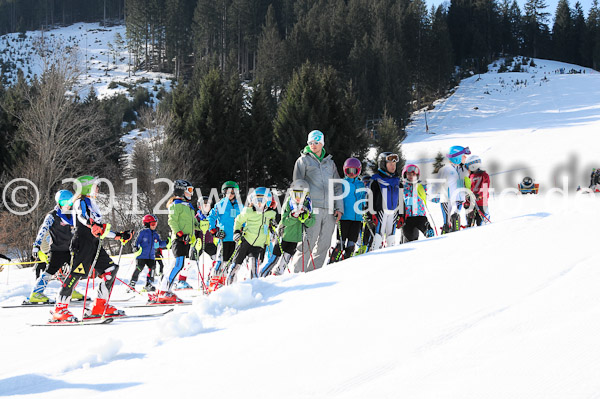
351, 221
385, 198
183, 224
415, 195
204, 239
87, 251
251, 229
57, 227
221, 219
454, 179
297, 215
480, 185
148, 241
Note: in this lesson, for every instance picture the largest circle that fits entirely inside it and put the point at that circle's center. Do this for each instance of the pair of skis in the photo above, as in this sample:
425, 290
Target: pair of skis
100, 320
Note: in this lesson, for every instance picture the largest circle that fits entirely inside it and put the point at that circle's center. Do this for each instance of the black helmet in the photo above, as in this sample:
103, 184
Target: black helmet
527, 182
386, 157
181, 187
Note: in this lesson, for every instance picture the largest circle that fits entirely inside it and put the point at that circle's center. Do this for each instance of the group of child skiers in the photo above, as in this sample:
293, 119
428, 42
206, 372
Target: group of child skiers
232, 234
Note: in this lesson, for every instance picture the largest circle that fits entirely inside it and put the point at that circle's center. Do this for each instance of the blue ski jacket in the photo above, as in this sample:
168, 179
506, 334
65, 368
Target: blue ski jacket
149, 241
223, 216
356, 194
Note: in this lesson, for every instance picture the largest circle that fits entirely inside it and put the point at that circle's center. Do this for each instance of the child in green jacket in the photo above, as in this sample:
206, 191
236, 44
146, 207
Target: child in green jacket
251, 232
297, 216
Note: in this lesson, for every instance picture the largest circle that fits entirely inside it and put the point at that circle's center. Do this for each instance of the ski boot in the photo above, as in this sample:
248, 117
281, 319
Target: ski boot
165, 297
77, 296
183, 285
62, 314
97, 310
149, 287
38, 297
216, 282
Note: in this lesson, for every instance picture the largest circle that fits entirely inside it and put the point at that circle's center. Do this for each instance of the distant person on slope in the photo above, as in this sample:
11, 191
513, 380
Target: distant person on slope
148, 241
415, 199
317, 169
450, 190
480, 186
386, 199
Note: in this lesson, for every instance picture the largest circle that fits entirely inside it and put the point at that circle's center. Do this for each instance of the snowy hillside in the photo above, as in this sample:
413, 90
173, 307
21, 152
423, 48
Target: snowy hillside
506, 310
101, 53
539, 122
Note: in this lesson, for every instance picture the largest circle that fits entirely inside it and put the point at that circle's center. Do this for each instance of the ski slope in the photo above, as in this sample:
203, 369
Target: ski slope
507, 310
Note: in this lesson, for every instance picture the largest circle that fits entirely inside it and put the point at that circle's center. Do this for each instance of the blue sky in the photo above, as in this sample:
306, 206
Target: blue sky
585, 4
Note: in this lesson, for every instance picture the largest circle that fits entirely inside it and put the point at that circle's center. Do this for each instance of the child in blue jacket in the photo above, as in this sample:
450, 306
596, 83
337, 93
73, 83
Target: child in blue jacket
148, 241
354, 203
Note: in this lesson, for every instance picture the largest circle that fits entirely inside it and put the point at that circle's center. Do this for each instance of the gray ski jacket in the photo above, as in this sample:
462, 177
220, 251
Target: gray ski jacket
317, 175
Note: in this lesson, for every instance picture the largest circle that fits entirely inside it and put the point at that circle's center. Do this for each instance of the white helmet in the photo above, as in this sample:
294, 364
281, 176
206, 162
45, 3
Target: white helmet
473, 163
300, 185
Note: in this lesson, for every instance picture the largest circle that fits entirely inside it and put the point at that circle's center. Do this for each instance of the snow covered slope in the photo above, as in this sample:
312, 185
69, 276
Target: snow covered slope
102, 58
539, 123
506, 310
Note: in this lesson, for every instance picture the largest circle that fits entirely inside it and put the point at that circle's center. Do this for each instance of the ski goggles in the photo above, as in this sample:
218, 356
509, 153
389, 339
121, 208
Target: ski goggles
153, 223
351, 172
190, 190
413, 169
260, 199
313, 142
464, 151
65, 202
392, 158
298, 195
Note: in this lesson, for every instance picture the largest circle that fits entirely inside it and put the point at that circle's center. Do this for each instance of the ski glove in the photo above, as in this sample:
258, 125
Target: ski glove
34, 252
303, 217
97, 229
124, 236
400, 221
237, 235
218, 233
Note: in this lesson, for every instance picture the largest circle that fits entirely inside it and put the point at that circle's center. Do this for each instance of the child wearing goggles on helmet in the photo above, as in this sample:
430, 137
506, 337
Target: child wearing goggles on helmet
297, 215
183, 224
354, 204
480, 185
252, 229
415, 200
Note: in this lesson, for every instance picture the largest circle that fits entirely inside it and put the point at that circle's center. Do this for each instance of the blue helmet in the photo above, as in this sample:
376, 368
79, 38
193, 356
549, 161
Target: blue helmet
262, 195
64, 197
456, 152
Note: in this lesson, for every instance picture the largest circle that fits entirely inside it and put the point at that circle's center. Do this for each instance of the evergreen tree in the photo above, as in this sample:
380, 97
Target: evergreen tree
579, 35
271, 53
315, 99
389, 136
592, 42
562, 33
535, 26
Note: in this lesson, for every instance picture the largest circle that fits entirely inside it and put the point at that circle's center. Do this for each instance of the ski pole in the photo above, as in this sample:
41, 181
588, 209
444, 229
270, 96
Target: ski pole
310, 252
204, 287
89, 274
132, 288
113, 284
430, 217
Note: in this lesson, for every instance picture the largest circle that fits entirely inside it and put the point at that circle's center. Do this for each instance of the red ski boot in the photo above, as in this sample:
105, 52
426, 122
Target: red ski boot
167, 297
61, 314
98, 307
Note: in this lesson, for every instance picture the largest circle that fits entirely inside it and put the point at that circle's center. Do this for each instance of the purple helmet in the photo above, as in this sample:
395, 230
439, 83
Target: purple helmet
352, 167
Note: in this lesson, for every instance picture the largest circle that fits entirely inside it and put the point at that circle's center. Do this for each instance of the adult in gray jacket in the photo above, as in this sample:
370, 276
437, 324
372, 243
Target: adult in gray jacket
318, 168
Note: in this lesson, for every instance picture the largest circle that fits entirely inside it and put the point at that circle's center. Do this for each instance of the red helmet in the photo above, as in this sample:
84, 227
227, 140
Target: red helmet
352, 167
147, 219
